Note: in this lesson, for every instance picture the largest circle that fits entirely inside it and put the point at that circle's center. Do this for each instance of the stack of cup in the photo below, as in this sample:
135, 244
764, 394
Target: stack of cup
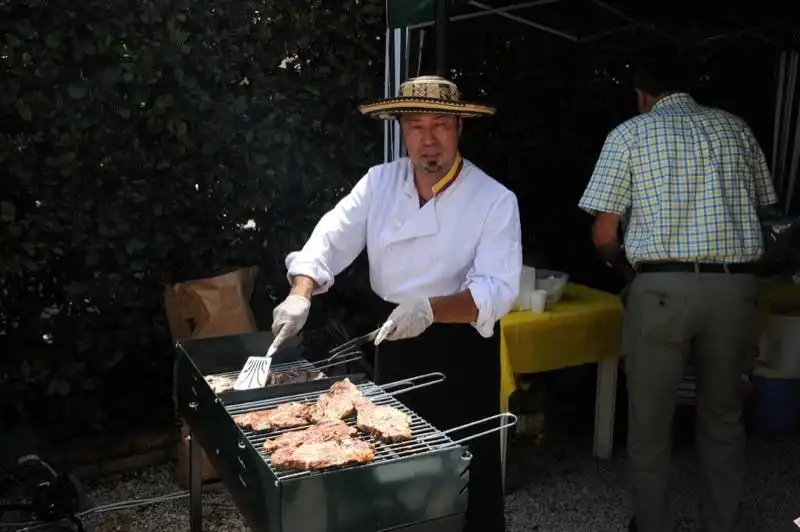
527, 282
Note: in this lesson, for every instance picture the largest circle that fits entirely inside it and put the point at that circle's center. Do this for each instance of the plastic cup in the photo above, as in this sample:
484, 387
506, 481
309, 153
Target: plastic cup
538, 301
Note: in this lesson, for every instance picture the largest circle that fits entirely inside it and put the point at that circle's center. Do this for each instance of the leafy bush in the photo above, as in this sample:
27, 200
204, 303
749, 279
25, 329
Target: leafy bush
150, 142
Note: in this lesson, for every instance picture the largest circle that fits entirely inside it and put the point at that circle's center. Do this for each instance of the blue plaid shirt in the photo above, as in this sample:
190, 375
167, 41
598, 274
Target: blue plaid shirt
689, 179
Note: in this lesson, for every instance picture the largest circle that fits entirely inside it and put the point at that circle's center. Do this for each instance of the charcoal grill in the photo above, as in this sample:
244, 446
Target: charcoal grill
414, 486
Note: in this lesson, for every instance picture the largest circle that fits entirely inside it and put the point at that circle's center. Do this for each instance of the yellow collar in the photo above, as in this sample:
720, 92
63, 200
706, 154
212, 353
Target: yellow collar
449, 177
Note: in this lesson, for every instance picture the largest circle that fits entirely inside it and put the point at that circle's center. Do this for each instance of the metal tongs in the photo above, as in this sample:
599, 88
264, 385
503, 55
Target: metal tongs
353, 345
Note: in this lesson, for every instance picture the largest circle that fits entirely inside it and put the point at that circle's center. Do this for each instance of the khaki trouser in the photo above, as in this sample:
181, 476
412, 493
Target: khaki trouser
668, 315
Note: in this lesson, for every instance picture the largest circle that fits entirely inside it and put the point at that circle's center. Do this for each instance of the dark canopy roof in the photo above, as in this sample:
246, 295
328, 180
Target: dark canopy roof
622, 22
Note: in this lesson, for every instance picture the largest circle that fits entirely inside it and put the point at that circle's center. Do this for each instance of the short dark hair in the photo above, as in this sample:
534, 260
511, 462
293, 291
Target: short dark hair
659, 74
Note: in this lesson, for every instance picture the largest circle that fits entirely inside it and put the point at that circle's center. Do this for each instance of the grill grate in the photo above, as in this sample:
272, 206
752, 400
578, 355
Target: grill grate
427, 438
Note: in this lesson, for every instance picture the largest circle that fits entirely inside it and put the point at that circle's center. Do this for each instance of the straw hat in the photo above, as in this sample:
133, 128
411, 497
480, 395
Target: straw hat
426, 94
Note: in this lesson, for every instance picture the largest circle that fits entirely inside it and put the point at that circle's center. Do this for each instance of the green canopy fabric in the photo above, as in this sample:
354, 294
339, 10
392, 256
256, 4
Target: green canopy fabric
402, 13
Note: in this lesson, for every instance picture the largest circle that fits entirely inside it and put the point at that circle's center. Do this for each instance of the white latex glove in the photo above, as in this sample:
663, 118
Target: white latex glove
408, 320
290, 316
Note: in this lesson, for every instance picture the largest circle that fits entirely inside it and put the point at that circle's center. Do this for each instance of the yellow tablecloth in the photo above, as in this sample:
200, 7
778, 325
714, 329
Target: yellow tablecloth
582, 328
585, 327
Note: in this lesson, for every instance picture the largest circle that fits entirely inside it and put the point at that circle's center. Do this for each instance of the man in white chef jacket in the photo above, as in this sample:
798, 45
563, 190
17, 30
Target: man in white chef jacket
444, 246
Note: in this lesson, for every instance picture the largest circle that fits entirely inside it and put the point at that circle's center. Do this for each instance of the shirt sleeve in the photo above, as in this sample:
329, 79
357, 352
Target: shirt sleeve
765, 188
338, 238
493, 280
609, 189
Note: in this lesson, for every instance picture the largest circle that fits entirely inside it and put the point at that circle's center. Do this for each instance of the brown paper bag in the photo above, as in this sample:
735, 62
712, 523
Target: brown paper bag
202, 308
216, 306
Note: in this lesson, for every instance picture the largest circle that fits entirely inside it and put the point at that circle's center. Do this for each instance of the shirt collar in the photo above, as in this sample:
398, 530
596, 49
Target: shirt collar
676, 99
449, 178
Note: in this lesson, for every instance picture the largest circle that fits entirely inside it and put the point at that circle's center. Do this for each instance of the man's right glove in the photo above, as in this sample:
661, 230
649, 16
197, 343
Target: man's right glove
290, 316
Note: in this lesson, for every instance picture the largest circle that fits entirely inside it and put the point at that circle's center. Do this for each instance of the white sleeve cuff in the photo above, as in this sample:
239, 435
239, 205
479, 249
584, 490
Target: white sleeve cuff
481, 294
296, 265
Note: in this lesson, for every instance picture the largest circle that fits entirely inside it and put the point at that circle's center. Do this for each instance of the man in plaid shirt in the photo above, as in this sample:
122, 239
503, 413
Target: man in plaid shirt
691, 181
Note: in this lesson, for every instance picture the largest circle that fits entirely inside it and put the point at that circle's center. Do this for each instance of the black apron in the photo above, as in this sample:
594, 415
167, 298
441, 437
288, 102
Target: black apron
471, 391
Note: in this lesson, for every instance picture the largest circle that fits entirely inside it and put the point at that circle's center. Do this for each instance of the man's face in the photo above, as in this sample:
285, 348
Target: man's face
431, 141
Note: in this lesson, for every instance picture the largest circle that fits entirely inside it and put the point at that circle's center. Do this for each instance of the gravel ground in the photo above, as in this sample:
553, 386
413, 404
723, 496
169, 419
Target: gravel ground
556, 487
560, 488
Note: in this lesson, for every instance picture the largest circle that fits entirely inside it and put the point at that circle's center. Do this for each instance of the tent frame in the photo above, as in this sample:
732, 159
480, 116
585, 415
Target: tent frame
508, 12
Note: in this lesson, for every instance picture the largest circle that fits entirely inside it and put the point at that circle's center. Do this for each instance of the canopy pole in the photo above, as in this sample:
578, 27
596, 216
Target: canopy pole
442, 18
387, 84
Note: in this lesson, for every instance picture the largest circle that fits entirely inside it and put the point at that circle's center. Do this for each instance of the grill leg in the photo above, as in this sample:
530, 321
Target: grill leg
195, 486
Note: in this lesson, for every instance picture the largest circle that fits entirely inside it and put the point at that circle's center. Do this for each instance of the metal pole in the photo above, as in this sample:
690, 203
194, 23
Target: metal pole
442, 8
387, 93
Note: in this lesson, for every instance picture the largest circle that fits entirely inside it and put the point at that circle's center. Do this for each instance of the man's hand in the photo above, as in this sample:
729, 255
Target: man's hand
408, 320
606, 241
289, 317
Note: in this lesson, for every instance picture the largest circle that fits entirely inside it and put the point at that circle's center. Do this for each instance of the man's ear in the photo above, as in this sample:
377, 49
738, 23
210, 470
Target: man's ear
460, 125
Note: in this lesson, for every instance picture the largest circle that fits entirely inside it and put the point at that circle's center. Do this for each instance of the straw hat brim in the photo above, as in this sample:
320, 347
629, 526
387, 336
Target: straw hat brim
388, 109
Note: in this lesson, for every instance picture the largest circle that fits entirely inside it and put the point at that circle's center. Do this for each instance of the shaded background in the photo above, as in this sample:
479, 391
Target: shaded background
148, 143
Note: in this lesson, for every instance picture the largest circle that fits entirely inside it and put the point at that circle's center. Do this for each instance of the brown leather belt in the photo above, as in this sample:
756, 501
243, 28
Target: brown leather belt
698, 267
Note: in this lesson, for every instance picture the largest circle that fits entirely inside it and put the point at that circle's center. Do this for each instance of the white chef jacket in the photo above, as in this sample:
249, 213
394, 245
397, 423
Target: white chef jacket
466, 237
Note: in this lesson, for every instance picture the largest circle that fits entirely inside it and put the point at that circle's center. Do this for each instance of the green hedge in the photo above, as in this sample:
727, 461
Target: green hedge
138, 137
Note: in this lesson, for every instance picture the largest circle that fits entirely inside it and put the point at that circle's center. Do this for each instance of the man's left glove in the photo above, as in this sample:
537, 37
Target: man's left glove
408, 320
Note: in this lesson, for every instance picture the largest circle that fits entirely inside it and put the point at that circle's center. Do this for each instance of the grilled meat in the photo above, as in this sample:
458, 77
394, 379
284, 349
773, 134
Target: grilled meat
220, 383
321, 455
325, 431
385, 423
293, 376
285, 416
337, 403
224, 383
